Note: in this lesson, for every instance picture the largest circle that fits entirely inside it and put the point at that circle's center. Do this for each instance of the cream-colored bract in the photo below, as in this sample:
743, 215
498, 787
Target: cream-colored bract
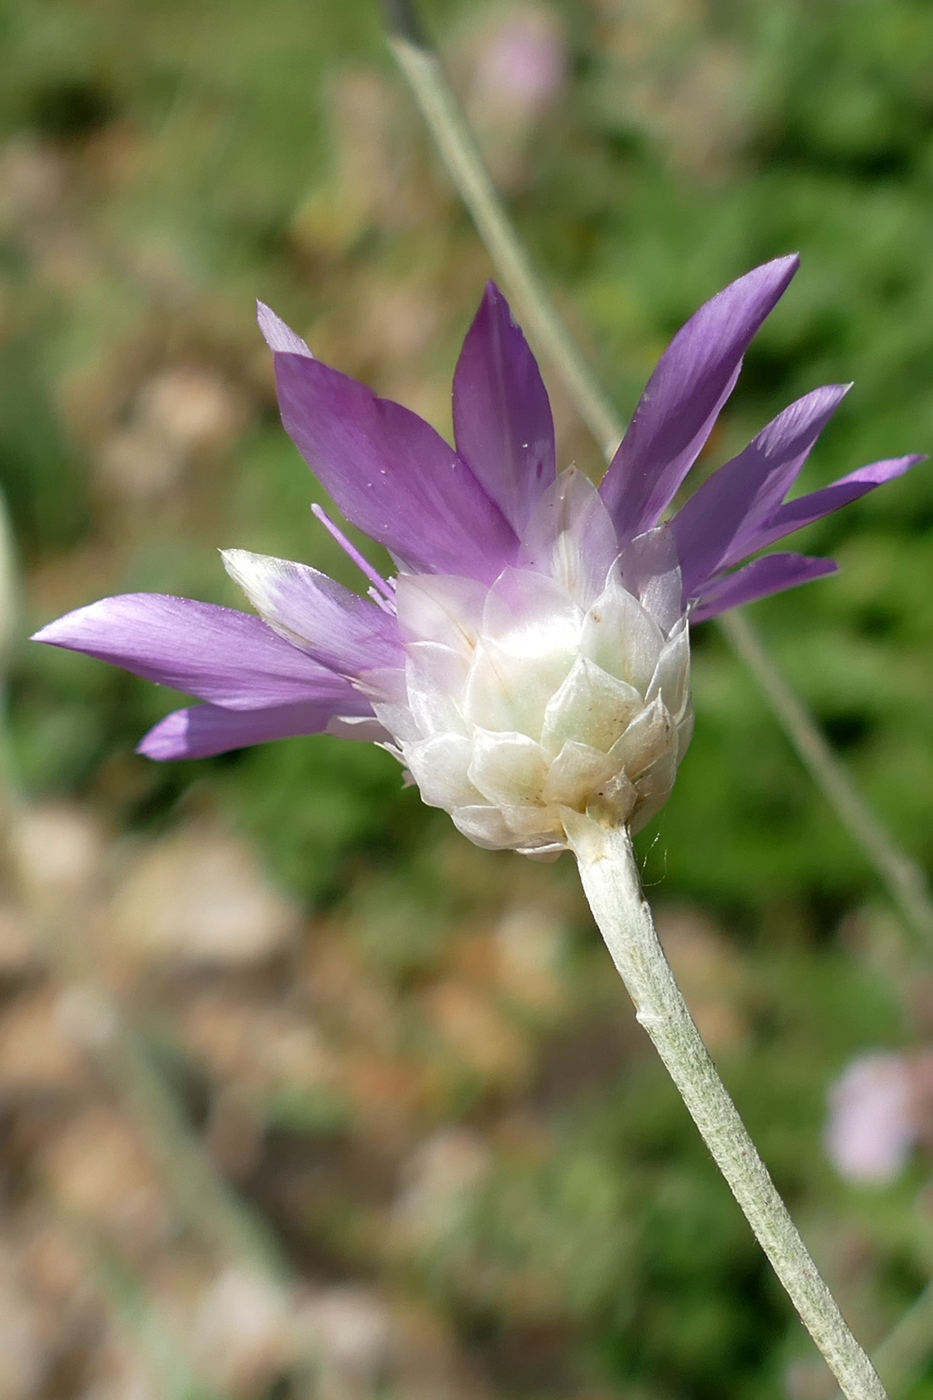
563, 687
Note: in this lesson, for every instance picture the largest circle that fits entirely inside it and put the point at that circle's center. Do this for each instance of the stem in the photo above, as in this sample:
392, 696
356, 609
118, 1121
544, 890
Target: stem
463, 159
904, 878
141, 1320
458, 146
906, 1348
611, 881
200, 1193
902, 1354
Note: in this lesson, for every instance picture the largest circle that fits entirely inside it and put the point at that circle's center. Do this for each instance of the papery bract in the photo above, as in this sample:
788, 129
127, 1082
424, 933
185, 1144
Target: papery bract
531, 659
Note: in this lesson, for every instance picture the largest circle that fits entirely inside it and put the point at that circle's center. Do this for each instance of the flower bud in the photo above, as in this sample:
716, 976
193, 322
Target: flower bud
562, 687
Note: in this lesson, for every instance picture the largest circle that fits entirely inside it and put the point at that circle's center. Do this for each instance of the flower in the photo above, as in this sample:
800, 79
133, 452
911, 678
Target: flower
520, 66
873, 1120
531, 658
880, 1109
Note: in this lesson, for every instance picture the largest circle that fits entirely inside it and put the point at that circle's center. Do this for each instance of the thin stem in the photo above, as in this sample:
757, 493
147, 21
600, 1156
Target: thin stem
458, 146
141, 1320
122, 1056
613, 888
403, 23
901, 1355
904, 878
906, 1348
200, 1193
464, 162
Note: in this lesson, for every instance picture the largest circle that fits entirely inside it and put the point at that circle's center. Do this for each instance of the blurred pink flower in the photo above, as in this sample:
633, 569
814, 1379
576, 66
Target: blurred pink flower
872, 1118
520, 65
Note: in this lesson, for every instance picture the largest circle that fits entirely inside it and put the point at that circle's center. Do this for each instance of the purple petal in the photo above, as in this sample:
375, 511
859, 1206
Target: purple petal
772, 574
341, 629
714, 525
391, 473
502, 414
692, 381
805, 509
215, 653
204, 730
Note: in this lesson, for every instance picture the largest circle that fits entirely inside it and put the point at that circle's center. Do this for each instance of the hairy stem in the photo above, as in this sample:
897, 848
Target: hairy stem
901, 1356
613, 888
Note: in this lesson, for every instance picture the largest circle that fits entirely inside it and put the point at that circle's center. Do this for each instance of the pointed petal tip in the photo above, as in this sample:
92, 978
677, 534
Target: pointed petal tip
691, 382
279, 337
769, 279
771, 573
877, 473
495, 299
63, 631
789, 263
247, 570
805, 510
166, 740
777, 273
912, 459
231, 557
495, 302
503, 425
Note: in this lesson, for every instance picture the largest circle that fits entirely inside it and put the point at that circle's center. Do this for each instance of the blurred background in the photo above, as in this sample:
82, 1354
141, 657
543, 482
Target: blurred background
301, 1095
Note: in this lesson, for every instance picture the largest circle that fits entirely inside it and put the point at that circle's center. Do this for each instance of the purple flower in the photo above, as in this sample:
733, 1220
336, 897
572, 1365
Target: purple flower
531, 657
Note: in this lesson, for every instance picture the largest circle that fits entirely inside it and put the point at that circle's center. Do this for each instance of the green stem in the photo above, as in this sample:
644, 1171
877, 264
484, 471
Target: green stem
904, 878
208, 1205
902, 1354
141, 1321
611, 881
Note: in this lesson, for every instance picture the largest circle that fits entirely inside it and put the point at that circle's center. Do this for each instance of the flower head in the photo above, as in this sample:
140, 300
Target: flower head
531, 657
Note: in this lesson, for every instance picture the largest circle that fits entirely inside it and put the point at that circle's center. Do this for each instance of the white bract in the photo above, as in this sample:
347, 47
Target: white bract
564, 687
